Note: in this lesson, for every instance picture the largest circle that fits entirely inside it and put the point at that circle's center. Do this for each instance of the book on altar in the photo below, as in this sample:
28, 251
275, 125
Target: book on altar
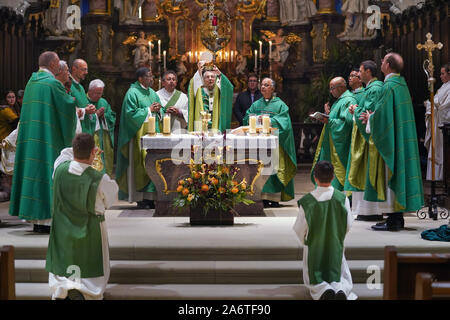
319, 115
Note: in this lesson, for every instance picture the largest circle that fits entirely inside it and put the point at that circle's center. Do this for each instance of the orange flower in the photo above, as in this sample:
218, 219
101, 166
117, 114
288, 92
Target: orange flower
205, 188
197, 175
225, 170
214, 181
185, 192
190, 197
180, 188
181, 182
235, 183
234, 190
244, 186
190, 180
222, 190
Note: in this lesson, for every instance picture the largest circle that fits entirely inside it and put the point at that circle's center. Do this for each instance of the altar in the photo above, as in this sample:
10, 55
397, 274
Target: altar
168, 158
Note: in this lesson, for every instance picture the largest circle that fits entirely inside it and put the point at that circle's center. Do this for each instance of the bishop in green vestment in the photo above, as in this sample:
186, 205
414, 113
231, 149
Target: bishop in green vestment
140, 100
213, 93
394, 171
334, 142
279, 186
104, 124
47, 126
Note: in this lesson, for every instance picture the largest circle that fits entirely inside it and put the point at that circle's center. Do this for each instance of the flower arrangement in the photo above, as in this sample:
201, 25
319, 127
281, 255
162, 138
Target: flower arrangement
212, 187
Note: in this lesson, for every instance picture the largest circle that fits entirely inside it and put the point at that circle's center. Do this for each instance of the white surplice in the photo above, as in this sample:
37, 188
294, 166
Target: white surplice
177, 122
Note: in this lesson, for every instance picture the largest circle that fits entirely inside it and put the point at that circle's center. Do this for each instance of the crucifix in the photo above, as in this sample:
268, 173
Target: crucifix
428, 67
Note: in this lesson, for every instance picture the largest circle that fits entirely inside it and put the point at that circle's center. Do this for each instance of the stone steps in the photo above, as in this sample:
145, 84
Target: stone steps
41, 291
198, 272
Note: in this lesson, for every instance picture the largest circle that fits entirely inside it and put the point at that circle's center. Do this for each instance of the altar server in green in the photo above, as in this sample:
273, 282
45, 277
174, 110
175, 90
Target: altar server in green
211, 91
334, 142
87, 110
78, 251
105, 121
280, 186
394, 171
323, 220
139, 102
47, 125
361, 146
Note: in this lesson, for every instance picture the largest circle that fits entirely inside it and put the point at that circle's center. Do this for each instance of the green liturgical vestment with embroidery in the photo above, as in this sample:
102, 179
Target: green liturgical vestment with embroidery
325, 249
135, 110
334, 142
47, 126
75, 236
359, 149
283, 180
77, 91
393, 131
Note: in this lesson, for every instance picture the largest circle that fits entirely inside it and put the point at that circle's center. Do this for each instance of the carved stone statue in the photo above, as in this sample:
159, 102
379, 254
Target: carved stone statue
355, 27
398, 6
280, 48
181, 68
241, 64
296, 12
55, 18
141, 53
129, 11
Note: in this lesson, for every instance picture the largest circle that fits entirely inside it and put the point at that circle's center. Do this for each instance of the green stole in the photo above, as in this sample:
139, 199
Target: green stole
359, 148
221, 115
283, 180
47, 125
327, 226
134, 112
393, 131
75, 236
334, 142
104, 139
77, 91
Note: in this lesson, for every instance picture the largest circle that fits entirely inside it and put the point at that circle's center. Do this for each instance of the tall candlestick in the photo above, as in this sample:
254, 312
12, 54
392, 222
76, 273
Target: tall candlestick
270, 49
150, 49
164, 55
256, 60
159, 50
260, 49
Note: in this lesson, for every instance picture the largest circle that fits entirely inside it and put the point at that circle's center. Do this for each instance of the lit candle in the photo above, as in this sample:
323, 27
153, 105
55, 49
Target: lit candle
256, 60
151, 124
166, 124
260, 49
252, 123
159, 83
164, 54
159, 50
196, 56
232, 55
226, 56
190, 56
220, 56
150, 49
270, 49
266, 124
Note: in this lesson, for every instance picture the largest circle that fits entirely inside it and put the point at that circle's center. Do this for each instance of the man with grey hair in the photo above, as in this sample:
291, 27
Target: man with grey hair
47, 126
103, 124
280, 186
334, 142
173, 101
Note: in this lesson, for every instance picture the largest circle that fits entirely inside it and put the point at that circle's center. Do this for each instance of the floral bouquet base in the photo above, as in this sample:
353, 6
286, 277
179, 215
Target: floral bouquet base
212, 218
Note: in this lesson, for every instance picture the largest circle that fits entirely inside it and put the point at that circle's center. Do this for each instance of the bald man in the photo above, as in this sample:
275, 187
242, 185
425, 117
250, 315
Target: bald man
47, 126
394, 168
79, 73
334, 142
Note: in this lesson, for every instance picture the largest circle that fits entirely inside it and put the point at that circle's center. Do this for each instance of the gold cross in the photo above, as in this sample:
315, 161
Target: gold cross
429, 46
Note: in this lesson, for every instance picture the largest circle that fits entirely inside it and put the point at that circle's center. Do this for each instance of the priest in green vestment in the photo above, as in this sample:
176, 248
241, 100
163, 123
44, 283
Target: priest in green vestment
355, 83
47, 125
357, 167
211, 92
394, 171
280, 186
79, 72
334, 142
139, 102
77, 255
105, 122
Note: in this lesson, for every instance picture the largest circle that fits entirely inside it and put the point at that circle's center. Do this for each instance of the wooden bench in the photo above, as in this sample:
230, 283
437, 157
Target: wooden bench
7, 274
427, 288
400, 271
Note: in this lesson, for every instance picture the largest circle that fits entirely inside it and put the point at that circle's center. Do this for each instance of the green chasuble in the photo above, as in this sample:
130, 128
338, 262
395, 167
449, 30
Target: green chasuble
334, 142
135, 109
77, 91
47, 126
104, 139
327, 226
393, 131
359, 149
283, 180
358, 94
222, 107
75, 236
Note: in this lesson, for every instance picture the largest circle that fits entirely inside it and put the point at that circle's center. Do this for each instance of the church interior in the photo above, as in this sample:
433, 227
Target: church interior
302, 46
